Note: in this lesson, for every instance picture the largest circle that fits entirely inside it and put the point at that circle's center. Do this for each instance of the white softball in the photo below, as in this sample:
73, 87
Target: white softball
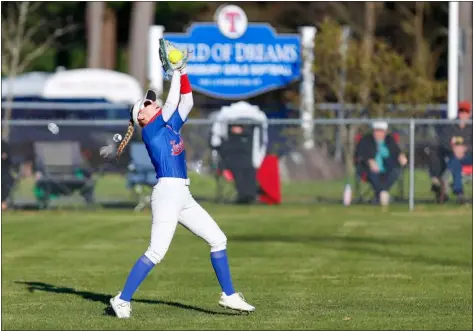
53, 128
117, 137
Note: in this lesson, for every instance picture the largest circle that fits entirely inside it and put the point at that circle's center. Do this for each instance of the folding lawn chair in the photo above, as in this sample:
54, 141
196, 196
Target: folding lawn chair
225, 183
141, 174
364, 193
61, 170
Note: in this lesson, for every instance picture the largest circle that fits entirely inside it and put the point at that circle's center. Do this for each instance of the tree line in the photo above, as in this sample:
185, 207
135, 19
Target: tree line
395, 53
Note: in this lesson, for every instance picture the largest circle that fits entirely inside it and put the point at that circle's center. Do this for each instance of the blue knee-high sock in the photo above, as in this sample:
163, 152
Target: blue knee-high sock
136, 276
222, 270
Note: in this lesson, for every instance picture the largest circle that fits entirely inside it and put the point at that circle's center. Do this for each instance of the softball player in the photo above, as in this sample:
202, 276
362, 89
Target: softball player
171, 200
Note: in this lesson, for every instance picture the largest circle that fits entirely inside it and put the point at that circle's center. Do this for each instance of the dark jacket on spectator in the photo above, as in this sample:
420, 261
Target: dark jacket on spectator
367, 149
7, 178
6, 161
455, 131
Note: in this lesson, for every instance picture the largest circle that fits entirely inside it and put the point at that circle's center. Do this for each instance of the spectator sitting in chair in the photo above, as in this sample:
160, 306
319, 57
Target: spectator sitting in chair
7, 177
379, 156
454, 148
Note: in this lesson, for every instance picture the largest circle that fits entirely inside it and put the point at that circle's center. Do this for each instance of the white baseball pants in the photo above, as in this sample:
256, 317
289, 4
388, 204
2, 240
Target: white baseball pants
172, 203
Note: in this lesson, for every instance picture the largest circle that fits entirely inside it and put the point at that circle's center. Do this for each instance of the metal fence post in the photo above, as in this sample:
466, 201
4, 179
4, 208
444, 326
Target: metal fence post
412, 130
307, 104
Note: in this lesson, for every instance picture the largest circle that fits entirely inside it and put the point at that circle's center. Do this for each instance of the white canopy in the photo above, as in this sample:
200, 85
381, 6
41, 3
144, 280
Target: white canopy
30, 84
115, 87
241, 110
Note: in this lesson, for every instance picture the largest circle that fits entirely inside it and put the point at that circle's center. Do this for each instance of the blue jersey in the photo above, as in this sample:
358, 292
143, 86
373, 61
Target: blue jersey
165, 146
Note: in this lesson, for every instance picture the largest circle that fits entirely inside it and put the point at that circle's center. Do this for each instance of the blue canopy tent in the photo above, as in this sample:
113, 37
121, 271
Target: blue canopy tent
64, 97
72, 94
39, 108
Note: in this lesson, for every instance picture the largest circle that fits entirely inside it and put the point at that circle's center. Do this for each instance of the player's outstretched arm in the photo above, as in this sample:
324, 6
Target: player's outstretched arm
187, 101
172, 100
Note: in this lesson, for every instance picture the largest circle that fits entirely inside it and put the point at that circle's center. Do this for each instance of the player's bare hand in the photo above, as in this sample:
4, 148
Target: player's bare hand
459, 151
107, 151
373, 166
402, 159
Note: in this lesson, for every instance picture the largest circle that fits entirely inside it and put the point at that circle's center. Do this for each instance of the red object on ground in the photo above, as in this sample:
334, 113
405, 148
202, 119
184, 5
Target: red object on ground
227, 174
268, 178
467, 170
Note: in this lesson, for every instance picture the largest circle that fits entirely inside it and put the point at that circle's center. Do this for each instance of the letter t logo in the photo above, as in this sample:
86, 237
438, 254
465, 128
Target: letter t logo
232, 17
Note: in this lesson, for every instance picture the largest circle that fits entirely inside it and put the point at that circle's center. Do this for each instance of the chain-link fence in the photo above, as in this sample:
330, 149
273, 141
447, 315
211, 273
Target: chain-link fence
316, 175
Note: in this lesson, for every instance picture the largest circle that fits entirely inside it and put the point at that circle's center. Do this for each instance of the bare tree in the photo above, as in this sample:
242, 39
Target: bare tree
109, 37
142, 17
384, 77
94, 15
329, 64
466, 26
368, 45
419, 32
24, 40
391, 77
425, 51
349, 13
425, 55
328, 59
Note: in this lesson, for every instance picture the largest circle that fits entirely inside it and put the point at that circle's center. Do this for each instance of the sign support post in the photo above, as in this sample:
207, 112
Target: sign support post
307, 85
453, 51
155, 72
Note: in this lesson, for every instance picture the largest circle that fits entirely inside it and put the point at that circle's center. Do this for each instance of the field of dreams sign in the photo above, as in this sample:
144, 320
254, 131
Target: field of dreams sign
231, 59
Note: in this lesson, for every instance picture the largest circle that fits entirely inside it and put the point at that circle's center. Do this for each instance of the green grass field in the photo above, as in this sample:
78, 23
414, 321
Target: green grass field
113, 187
303, 267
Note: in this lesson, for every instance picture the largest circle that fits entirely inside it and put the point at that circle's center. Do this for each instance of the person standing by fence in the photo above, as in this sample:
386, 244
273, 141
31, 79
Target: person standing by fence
453, 151
7, 177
